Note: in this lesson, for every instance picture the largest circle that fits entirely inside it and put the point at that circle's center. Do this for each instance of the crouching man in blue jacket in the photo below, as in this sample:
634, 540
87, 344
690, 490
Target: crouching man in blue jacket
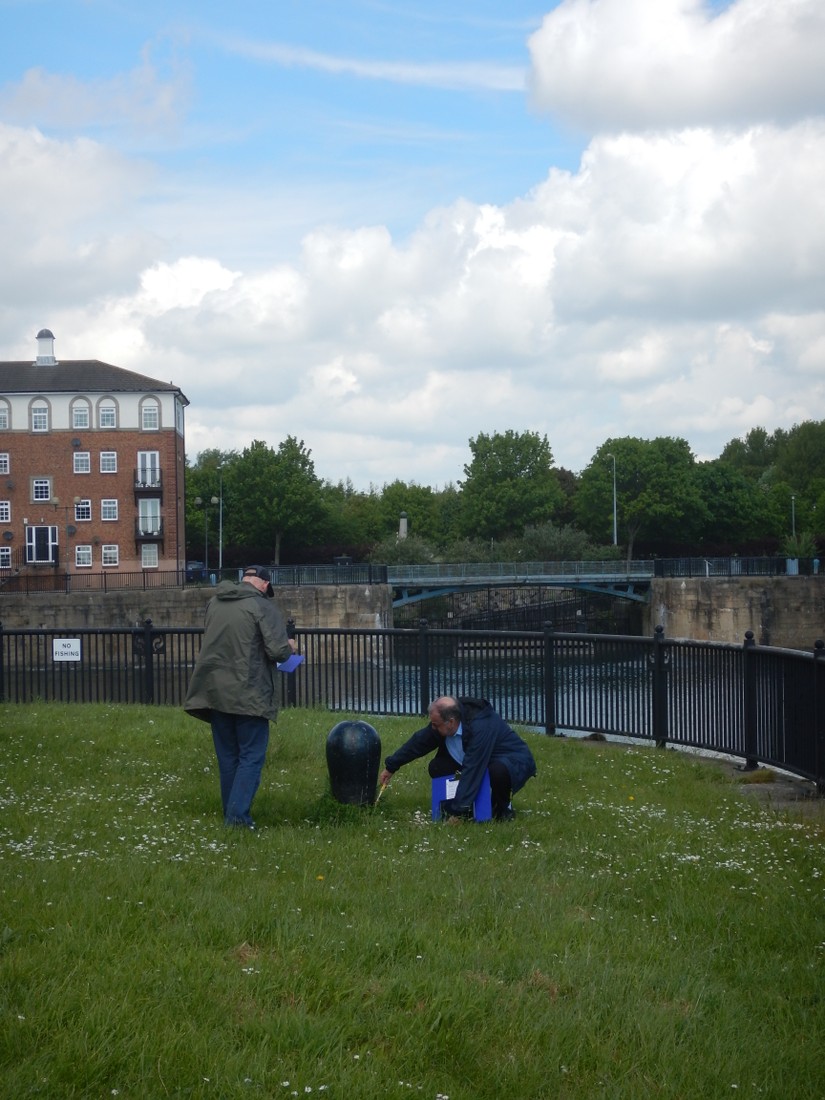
468, 738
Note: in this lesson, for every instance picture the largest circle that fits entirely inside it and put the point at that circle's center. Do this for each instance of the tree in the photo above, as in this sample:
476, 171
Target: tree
657, 495
752, 456
276, 498
509, 484
736, 508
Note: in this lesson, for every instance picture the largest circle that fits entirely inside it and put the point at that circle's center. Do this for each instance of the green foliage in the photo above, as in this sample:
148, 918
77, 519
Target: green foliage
412, 550
643, 927
509, 484
657, 493
276, 498
665, 499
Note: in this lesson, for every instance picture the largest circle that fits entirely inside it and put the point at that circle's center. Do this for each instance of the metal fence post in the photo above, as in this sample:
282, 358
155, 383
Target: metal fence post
749, 702
424, 665
148, 663
549, 681
659, 701
291, 685
819, 712
2, 667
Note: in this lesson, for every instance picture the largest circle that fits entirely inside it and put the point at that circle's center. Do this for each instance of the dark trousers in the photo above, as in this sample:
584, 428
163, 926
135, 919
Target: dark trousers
501, 785
240, 746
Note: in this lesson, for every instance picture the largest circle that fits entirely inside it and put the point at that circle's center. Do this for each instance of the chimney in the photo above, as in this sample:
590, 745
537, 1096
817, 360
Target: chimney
45, 349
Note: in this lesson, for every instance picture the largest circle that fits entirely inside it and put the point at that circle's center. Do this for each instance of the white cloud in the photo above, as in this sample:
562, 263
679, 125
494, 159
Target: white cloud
671, 285
453, 75
139, 99
645, 64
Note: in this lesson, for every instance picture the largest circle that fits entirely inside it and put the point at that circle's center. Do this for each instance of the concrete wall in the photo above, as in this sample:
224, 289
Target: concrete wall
325, 605
788, 612
781, 611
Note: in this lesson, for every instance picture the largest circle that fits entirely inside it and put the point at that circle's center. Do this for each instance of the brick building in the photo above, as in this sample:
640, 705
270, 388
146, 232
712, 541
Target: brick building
91, 467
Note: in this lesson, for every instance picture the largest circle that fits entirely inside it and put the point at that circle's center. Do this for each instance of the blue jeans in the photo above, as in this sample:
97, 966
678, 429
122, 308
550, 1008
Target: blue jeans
240, 746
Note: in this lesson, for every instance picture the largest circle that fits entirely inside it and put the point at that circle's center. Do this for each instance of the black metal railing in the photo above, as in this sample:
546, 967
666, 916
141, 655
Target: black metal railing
22, 576
753, 702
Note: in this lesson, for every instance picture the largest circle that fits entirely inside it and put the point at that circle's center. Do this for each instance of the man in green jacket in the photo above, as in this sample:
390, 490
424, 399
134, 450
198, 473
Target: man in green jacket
233, 685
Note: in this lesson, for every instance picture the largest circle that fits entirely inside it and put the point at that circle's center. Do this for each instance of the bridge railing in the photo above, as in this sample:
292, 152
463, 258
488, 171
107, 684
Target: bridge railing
757, 703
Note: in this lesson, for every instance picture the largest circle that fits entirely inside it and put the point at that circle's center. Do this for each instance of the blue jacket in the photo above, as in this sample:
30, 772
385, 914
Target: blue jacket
486, 737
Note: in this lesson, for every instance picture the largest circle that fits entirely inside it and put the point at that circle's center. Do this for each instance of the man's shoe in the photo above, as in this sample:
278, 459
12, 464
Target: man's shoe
507, 814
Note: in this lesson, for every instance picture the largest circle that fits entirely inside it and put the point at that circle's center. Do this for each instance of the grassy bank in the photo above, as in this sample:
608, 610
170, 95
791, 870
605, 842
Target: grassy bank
641, 929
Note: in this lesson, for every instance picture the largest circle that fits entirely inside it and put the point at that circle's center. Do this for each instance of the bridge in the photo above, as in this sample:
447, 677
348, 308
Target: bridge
627, 580
624, 580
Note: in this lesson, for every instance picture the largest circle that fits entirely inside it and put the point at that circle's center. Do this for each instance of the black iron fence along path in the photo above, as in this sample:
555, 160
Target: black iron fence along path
754, 702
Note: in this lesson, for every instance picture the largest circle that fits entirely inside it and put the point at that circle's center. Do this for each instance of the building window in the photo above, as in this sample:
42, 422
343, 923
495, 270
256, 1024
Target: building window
41, 488
83, 556
5, 511
5, 465
5, 557
108, 509
82, 511
109, 554
149, 517
148, 469
150, 416
41, 544
80, 415
149, 555
108, 462
40, 418
107, 415
5, 418
82, 462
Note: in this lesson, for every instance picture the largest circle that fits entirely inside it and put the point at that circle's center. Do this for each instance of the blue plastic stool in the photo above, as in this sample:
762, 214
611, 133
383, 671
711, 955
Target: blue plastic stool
445, 786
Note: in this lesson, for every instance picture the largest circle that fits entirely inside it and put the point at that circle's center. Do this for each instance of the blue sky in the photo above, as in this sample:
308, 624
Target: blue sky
386, 227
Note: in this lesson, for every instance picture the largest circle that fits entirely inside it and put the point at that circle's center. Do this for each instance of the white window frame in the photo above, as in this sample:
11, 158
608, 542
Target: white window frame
104, 409
150, 517
34, 544
81, 462
40, 417
148, 468
41, 490
149, 558
5, 463
81, 416
150, 416
108, 458
5, 557
82, 511
83, 557
109, 555
5, 416
110, 505
5, 511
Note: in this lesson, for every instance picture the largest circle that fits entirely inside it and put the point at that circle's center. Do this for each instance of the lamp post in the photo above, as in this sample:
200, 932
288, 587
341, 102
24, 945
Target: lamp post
69, 528
615, 528
200, 503
220, 523
793, 516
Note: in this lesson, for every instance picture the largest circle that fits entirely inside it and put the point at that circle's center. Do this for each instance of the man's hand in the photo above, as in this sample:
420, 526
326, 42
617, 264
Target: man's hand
385, 777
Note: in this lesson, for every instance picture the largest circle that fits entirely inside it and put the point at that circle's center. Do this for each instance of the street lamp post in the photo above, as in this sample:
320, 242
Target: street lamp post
199, 502
220, 523
793, 516
69, 529
615, 528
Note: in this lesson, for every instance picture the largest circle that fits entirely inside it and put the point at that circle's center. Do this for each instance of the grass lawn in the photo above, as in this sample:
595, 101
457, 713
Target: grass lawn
641, 930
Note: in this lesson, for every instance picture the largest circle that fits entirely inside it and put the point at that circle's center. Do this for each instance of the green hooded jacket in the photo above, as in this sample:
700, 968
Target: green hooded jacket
244, 638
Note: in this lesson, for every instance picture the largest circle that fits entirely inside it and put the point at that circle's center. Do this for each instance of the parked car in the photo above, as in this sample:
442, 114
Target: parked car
195, 571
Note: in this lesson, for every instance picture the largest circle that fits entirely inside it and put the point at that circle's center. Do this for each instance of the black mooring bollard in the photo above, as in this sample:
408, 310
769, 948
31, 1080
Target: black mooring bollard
353, 760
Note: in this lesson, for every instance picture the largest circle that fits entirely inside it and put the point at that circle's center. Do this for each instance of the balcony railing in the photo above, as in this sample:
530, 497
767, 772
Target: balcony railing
148, 481
149, 528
